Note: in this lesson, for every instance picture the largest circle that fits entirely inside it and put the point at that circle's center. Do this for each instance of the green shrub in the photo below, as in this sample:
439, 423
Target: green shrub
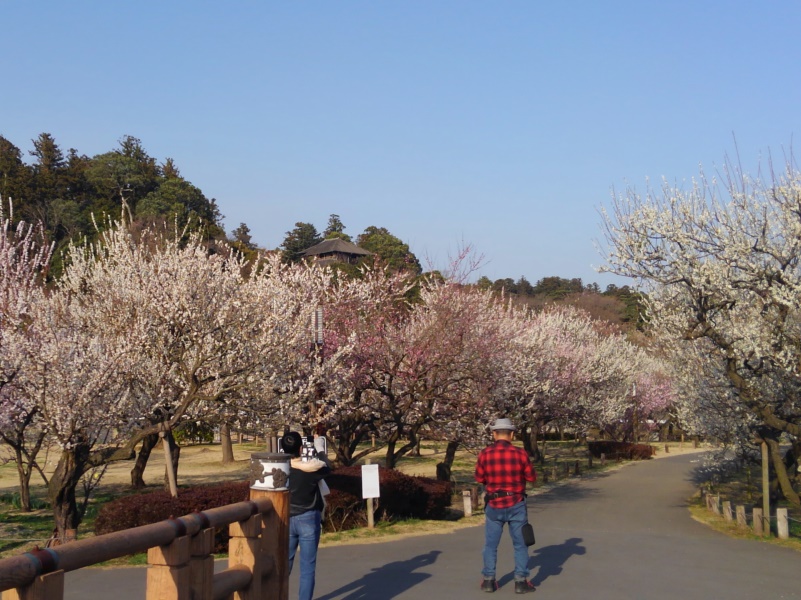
192, 432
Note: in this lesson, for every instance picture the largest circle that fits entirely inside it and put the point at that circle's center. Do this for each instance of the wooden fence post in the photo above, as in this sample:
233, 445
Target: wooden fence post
468, 503
45, 587
716, 505
168, 576
275, 543
727, 514
201, 564
741, 519
757, 523
476, 496
244, 551
766, 486
370, 505
782, 524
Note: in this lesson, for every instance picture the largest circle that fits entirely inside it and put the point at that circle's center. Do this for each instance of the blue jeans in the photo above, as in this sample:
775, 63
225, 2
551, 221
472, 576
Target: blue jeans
495, 518
304, 530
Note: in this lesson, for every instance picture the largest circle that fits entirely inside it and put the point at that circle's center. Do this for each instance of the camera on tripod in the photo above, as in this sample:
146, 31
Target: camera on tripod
308, 451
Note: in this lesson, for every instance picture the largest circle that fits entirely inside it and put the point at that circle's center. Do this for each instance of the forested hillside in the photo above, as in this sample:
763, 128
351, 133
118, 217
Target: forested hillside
68, 192
72, 195
621, 306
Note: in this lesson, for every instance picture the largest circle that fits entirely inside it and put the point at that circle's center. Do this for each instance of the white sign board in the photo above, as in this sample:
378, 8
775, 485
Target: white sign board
370, 481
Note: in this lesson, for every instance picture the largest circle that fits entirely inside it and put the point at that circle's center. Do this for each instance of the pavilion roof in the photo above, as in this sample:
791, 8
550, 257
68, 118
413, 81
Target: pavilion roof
335, 245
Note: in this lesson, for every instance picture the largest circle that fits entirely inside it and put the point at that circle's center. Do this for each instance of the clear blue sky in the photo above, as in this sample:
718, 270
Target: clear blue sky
502, 124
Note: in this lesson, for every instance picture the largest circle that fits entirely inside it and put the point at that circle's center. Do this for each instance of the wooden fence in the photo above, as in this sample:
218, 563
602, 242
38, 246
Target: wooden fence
180, 563
759, 522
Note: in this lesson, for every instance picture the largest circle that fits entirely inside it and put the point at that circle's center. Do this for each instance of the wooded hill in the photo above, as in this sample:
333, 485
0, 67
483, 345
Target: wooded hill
72, 195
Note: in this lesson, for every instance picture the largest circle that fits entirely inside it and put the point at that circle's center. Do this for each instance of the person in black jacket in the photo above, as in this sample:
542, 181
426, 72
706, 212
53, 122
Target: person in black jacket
306, 508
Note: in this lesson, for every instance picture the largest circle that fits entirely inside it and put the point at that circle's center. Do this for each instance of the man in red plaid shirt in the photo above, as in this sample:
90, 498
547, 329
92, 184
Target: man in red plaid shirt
504, 471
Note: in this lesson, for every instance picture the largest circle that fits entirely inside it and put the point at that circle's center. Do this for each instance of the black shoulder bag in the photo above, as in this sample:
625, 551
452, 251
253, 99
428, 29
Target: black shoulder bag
528, 534
528, 531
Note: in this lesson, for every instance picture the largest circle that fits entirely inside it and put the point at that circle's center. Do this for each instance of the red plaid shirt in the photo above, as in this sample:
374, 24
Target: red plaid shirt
502, 467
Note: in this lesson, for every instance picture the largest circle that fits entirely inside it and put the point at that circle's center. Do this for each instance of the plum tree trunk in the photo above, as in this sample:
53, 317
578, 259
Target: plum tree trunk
61, 490
138, 471
175, 454
779, 467
445, 468
226, 444
531, 444
24, 473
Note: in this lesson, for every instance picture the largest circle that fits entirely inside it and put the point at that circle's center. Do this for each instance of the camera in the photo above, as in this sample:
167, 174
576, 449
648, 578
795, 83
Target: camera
308, 451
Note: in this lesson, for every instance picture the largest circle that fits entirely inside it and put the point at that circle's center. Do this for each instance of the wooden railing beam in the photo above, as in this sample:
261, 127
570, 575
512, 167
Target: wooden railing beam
19, 571
230, 581
181, 566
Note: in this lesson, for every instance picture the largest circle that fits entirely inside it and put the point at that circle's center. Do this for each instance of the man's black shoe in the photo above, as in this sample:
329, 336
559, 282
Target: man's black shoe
524, 587
489, 585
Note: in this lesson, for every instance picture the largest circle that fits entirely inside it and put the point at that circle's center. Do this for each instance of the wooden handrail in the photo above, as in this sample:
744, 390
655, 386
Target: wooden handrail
229, 581
21, 571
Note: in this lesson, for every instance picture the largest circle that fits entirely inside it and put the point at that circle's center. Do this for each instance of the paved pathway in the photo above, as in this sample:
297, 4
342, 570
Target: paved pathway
626, 535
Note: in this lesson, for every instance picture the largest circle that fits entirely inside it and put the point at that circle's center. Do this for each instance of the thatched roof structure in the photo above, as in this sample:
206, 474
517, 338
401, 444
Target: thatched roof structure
335, 250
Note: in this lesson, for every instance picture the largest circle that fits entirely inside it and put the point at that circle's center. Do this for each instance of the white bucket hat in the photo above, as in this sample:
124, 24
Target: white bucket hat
503, 424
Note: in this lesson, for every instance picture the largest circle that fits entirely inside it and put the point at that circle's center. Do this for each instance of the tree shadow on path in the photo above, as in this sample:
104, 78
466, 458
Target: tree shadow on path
388, 581
551, 559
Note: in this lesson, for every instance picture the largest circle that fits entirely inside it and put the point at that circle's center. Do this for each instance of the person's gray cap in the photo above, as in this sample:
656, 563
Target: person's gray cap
503, 425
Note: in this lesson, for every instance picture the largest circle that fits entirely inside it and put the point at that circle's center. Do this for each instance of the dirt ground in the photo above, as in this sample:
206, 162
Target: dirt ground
198, 464
203, 464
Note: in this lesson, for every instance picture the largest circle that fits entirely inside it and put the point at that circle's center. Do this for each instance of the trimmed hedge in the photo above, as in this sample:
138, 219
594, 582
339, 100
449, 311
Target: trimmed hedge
623, 450
142, 509
402, 496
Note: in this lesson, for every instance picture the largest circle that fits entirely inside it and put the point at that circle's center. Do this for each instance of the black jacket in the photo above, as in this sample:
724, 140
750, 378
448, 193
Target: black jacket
303, 486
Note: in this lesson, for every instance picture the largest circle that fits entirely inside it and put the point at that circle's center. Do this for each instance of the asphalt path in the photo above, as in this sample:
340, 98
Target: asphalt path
623, 535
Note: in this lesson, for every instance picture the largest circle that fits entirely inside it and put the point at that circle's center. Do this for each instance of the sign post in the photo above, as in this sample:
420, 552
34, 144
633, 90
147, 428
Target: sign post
370, 489
766, 488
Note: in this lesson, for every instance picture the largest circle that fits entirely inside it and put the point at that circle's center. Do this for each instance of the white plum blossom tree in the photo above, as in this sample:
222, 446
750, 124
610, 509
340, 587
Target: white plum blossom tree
549, 371
720, 264
78, 381
24, 258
